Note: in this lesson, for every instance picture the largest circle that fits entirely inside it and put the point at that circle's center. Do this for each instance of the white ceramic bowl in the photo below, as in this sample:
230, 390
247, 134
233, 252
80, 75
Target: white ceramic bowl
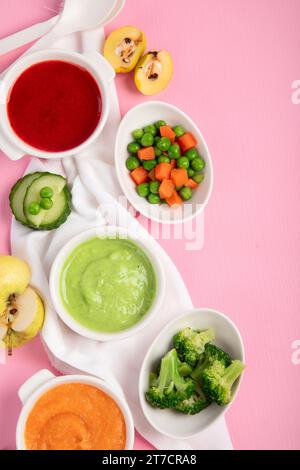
44, 380
138, 117
114, 13
170, 422
94, 62
146, 244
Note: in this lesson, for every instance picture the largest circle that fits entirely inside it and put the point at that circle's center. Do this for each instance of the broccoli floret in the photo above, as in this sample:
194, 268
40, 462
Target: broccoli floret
184, 369
193, 405
212, 353
190, 344
217, 380
152, 378
169, 387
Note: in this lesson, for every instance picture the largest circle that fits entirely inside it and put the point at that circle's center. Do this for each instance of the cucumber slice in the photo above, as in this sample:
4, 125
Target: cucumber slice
58, 214
17, 194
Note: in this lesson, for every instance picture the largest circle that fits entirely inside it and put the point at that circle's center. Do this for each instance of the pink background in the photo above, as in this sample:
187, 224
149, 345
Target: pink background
235, 61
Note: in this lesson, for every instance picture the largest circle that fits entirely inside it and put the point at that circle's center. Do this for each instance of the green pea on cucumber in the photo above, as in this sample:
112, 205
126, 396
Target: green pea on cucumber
41, 200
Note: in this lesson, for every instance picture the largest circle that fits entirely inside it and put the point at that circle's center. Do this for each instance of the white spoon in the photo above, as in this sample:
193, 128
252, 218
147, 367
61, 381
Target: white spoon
76, 15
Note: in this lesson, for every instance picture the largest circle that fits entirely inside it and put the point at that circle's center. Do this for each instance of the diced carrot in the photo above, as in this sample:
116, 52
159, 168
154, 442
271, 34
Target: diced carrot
174, 200
166, 189
179, 176
191, 184
139, 175
146, 153
173, 163
187, 141
151, 174
167, 131
163, 171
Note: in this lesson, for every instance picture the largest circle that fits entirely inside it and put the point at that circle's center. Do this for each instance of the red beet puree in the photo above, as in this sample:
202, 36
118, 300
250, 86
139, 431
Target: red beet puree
54, 106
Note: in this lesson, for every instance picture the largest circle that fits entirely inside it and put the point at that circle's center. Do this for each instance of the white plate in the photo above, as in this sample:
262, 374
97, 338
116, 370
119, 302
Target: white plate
169, 422
138, 117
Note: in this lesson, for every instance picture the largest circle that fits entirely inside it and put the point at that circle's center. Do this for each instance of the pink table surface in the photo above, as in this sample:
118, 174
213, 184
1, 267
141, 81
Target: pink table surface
235, 61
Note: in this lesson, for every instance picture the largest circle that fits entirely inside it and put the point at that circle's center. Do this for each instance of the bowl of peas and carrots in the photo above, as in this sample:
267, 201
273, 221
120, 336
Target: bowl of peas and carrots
163, 163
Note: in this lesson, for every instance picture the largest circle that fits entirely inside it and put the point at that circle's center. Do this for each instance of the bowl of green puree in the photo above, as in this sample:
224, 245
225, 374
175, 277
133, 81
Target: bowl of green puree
107, 284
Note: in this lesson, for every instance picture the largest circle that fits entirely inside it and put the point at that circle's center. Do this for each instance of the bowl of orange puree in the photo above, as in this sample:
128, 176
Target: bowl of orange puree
72, 412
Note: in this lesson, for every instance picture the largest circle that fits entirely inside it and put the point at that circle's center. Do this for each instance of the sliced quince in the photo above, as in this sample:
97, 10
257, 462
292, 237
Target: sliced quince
124, 47
153, 72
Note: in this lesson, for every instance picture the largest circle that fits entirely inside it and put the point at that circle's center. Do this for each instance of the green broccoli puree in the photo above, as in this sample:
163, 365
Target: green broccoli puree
107, 284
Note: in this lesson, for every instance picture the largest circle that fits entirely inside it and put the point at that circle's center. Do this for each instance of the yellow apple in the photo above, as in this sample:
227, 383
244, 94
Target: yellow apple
14, 278
21, 308
26, 319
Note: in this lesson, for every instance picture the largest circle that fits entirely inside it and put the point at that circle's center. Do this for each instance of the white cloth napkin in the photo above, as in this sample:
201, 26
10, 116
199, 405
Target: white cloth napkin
95, 193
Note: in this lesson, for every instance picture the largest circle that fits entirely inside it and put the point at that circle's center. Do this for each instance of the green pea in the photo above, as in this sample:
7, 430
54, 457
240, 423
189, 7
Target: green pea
151, 129
198, 164
179, 131
174, 151
186, 193
190, 172
164, 144
198, 178
160, 123
156, 139
143, 189
46, 203
132, 162
154, 187
178, 188
157, 152
191, 154
149, 164
133, 147
137, 134
147, 140
46, 191
154, 198
183, 162
163, 159
34, 208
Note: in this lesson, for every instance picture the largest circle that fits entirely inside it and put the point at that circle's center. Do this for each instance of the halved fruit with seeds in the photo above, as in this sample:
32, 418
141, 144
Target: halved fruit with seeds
124, 47
153, 72
24, 319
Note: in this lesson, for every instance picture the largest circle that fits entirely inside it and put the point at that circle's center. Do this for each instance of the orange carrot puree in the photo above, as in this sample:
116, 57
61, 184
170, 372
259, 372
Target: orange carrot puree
75, 416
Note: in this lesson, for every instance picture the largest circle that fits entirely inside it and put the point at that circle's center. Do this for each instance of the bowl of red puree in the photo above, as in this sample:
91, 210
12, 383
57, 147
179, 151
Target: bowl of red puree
53, 104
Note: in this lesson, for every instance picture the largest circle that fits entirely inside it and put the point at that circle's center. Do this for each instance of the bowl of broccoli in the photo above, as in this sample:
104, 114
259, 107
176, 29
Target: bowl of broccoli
191, 373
